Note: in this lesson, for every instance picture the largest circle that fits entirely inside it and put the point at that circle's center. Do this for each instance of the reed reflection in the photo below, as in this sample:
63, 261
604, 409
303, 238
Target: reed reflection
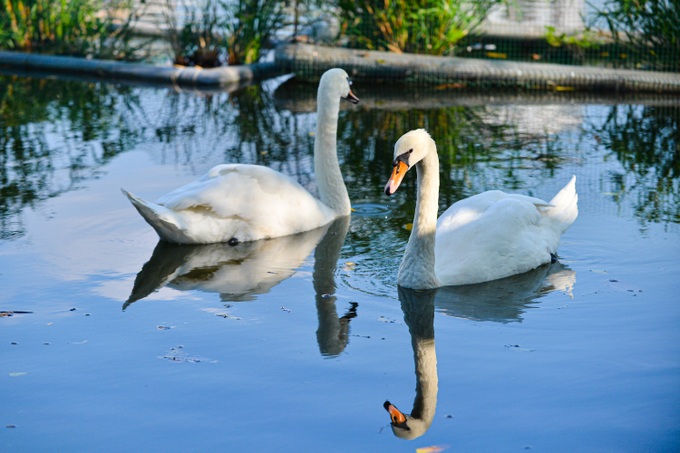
248, 269
56, 135
503, 300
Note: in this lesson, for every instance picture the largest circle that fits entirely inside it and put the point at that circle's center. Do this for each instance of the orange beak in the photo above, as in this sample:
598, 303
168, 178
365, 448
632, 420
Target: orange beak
396, 416
398, 172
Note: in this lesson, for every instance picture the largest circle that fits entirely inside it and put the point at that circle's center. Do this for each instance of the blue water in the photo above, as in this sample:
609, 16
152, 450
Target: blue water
296, 344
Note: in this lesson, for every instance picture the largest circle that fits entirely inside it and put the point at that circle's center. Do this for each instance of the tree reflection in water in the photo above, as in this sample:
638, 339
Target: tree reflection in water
55, 135
646, 142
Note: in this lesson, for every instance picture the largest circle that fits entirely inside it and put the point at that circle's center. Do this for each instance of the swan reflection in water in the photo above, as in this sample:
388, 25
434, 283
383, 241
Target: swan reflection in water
241, 272
418, 308
503, 301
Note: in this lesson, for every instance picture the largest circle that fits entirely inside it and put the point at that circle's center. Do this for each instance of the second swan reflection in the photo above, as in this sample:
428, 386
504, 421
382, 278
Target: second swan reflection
503, 301
241, 272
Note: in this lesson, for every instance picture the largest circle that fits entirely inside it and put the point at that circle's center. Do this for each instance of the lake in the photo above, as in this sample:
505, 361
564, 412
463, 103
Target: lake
112, 341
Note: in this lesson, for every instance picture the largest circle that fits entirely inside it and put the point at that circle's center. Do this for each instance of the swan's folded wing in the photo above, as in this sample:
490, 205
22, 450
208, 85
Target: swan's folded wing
487, 203
256, 202
232, 189
533, 200
502, 240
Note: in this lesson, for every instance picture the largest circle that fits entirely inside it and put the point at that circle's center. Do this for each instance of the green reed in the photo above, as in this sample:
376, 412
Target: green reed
215, 32
422, 26
648, 29
75, 27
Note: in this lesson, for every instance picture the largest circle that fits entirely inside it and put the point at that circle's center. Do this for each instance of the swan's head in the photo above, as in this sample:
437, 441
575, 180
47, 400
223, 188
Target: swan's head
411, 148
404, 426
336, 83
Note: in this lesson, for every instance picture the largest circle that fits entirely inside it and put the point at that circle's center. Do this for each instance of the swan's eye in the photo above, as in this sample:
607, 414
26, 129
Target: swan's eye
403, 158
349, 81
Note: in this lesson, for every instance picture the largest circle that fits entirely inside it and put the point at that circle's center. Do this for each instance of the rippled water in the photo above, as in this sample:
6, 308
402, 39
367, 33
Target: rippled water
117, 342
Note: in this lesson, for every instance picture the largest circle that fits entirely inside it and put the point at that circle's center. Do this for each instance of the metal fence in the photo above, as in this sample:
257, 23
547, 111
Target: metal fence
599, 33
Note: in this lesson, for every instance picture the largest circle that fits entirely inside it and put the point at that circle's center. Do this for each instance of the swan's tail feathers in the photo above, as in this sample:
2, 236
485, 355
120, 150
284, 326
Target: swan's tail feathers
564, 206
159, 217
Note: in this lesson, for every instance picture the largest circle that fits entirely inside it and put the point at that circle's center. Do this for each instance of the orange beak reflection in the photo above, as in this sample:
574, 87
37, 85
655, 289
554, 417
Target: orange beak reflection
396, 416
398, 172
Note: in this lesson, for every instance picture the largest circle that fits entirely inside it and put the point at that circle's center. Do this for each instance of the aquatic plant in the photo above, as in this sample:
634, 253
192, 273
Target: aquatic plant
648, 29
215, 32
251, 25
423, 26
197, 41
79, 27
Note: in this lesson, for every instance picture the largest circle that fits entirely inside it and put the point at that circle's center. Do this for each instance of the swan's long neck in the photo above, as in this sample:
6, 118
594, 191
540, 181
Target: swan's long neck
332, 190
418, 307
333, 332
417, 266
427, 383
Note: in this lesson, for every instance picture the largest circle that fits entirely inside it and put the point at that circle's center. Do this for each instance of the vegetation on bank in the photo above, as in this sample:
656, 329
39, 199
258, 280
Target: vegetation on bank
642, 33
422, 26
85, 28
215, 32
649, 29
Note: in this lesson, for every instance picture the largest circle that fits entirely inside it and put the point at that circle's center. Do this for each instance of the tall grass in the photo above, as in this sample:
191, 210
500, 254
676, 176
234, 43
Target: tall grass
422, 26
199, 40
648, 29
68, 27
215, 32
251, 26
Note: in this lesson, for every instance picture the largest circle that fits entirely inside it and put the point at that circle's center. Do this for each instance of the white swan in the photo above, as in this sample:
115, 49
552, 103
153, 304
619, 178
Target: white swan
240, 203
481, 238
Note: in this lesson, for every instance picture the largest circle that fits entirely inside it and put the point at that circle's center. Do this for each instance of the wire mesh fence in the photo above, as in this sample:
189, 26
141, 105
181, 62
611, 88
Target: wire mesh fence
641, 35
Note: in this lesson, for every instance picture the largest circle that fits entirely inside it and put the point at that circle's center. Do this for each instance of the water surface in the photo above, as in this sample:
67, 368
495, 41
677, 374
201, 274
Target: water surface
295, 344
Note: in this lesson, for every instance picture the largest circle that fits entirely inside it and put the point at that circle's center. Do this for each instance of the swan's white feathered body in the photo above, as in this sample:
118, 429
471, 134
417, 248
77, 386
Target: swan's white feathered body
494, 235
234, 201
481, 238
240, 202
